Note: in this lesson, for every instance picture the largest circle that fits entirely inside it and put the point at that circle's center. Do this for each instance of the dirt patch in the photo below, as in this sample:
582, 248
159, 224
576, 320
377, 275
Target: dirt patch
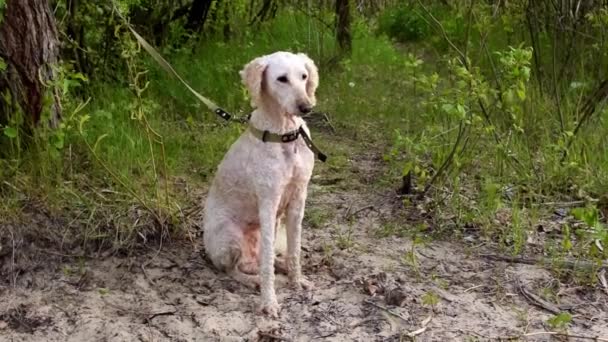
18, 320
367, 291
367, 288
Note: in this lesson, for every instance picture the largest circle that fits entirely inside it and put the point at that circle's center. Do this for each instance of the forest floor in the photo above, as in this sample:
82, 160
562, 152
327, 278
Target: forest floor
370, 284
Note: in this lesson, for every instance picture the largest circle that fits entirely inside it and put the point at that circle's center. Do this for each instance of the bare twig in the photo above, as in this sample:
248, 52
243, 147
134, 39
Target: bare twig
571, 264
588, 109
552, 333
462, 56
385, 309
162, 313
465, 63
461, 132
367, 207
273, 336
424, 324
536, 300
602, 276
13, 275
566, 204
316, 17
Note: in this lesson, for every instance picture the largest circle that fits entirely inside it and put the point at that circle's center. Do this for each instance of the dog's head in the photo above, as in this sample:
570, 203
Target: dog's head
284, 80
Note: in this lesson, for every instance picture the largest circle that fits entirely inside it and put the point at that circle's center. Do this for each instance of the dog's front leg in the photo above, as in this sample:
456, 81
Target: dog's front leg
268, 217
295, 214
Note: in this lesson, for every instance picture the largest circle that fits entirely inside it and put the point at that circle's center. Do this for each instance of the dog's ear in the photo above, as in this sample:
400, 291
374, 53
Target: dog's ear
252, 77
313, 77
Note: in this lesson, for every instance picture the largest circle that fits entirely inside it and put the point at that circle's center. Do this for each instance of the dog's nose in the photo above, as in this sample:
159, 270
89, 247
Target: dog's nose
304, 108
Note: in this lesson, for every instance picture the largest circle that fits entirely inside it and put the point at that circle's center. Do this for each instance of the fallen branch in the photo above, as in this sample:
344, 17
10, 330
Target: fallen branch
273, 336
602, 276
571, 264
552, 333
425, 324
387, 310
368, 207
162, 313
536, 300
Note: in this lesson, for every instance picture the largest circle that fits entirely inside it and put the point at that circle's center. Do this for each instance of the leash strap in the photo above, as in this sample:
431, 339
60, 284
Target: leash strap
165, 65
265, 135
320, 155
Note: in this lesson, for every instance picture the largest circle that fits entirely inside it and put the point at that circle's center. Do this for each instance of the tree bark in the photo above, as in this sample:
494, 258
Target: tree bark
343, 33
29, 45
198, 15
268, 11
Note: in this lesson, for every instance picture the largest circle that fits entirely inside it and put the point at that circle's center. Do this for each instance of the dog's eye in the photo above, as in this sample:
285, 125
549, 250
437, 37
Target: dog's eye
303, 76
282, 79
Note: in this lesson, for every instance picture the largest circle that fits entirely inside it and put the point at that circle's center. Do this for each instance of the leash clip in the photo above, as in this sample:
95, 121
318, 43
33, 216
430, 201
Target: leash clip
222, 113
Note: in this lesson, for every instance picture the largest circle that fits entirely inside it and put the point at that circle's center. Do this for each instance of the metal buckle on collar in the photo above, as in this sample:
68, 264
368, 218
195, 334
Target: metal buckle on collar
291, 136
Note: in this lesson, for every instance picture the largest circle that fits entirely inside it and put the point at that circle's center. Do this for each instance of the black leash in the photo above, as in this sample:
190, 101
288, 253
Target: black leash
210, 104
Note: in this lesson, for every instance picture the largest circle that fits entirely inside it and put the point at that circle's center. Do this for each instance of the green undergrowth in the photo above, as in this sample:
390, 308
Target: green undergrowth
133, 157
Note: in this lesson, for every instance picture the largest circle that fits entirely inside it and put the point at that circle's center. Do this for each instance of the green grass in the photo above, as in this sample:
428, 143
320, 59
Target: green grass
396, 101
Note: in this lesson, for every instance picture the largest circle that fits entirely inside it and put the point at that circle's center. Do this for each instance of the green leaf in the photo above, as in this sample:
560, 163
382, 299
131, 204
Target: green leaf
587, 215
2, 62
560, 320
80, 76
83, 119
101, 137
521, 92
430, 299
10, 132
447, 107
461, 111
407, 168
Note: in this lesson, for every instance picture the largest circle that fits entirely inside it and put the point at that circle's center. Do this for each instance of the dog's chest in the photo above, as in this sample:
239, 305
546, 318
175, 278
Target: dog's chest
299, 161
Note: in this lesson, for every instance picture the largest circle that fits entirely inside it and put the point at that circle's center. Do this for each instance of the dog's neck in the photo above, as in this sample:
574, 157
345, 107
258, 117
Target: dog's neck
274, 121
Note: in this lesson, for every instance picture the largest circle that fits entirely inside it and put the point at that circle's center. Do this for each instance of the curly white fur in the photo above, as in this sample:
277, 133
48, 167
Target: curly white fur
259, 184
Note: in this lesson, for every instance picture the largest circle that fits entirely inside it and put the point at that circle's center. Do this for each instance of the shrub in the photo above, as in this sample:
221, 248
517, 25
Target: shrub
404, 23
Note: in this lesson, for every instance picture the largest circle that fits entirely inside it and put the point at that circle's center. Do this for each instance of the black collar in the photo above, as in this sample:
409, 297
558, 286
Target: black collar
290, 136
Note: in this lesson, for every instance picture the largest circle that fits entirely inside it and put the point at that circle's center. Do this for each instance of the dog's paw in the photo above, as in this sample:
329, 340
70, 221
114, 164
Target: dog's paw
302, 284
270, 308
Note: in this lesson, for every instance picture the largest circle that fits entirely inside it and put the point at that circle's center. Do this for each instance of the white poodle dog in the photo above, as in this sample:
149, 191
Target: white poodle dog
263, 180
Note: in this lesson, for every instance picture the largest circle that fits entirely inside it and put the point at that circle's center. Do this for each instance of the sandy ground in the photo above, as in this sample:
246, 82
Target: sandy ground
366, 289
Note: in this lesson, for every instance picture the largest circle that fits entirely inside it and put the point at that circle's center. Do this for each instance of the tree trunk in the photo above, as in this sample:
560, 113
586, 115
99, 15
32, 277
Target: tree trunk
198, 15
343, 34
29, 45
268, 10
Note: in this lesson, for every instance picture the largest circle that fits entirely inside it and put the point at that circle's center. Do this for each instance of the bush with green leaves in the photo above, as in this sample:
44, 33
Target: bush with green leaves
404, 23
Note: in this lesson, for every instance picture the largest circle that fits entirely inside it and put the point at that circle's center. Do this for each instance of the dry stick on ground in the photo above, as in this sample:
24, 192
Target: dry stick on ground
273, 337
387, 310
571, 264
351, 326
414, 333
163, 313
552, 333
536, 300
602, 276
